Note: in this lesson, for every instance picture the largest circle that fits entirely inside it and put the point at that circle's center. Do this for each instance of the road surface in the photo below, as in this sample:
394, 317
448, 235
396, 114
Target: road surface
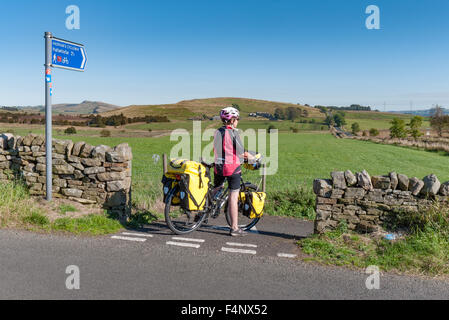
154, 264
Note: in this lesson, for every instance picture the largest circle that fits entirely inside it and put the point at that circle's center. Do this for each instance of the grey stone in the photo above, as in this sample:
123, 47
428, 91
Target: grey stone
91, 162
86, 150
93, 170
124, 151
444, 189
415, 185
354, 193
99, 152
114, 156
112, 176
63, 169
321, 187
381, 182
338, 180
27, 140
72, 192
364, 180
351, 179
77, 148
431, 185
403, 182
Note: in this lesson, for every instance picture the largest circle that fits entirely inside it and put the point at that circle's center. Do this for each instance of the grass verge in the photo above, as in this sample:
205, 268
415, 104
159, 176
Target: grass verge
18, 210
424, 250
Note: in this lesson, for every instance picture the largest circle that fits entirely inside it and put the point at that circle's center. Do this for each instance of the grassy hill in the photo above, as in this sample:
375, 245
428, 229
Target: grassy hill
190, 108
85, 107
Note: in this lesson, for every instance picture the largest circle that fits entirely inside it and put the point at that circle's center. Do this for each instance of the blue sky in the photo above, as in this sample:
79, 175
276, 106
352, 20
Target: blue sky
310, 51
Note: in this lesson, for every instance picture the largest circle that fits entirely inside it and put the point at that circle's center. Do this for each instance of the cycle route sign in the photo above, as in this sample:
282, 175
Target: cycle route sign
68, 55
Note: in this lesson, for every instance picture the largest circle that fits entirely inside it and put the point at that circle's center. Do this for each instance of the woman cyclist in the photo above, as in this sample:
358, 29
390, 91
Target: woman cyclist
229, 155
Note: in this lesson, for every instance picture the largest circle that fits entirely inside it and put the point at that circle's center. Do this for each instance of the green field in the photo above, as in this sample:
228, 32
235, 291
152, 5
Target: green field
302, 158
377, 120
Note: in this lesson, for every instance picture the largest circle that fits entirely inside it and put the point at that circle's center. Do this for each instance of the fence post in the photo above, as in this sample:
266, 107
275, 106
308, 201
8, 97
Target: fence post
164, 161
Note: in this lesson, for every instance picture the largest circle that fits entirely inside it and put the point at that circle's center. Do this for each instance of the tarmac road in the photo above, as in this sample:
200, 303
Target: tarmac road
155, 264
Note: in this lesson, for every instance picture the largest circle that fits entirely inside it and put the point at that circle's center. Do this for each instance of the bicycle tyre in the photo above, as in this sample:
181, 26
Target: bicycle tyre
176, 227
249, 223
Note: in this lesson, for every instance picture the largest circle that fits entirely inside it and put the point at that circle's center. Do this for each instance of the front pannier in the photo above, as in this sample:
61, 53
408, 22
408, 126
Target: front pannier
253, 204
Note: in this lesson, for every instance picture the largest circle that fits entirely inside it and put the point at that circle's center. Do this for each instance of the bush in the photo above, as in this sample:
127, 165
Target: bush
355, 127
373, 132
70, 130
105, 133
271, 127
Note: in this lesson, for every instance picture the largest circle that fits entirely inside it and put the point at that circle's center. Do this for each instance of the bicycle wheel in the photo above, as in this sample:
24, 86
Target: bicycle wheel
244, 222
181, 221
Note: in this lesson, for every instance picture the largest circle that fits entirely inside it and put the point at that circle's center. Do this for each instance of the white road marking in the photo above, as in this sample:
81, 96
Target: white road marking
188, 239
286, 255
238, 250
137, 234
241, 244
129, 239
183, 244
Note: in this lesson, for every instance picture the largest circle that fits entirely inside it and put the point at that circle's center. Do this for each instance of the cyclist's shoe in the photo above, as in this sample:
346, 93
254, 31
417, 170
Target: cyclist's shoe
238, 233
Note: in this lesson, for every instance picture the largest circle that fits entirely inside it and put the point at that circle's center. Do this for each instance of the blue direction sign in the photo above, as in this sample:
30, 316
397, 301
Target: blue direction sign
68, 55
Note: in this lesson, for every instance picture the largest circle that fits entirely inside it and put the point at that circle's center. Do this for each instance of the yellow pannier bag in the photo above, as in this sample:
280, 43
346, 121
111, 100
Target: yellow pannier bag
253, 204
169, 183
194, 183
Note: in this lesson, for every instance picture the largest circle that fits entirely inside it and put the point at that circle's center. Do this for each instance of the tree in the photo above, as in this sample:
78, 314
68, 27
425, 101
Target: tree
70, 130
415, 124
339, 119
279, 114
355, 127
438, 121
397, 129
373, 132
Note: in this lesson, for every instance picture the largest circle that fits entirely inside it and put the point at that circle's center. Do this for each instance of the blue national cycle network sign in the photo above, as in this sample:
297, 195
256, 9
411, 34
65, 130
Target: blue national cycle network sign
68, 55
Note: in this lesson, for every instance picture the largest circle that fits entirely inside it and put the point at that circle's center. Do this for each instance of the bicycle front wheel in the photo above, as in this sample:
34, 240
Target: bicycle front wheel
181, 221
245, 222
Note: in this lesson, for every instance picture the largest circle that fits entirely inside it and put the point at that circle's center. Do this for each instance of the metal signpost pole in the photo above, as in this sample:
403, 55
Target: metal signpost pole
63, 54
48, 115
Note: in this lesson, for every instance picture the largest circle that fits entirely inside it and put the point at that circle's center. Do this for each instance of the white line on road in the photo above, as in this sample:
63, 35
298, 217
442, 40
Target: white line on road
137, 234
183, 244
238, 250
129, 239
286, 255
188, 239
241, 244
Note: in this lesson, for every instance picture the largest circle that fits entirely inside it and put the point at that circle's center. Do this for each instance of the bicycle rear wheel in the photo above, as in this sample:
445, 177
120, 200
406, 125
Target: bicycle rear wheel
244, 222
181, 221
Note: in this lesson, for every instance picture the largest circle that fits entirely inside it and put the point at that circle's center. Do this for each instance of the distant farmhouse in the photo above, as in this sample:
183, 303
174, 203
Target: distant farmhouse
262, 115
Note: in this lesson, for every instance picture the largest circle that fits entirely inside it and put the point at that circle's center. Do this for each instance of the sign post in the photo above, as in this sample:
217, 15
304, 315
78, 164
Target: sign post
58, 54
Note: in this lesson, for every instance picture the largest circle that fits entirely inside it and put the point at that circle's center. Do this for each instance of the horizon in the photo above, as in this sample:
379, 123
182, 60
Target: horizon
152, 53
311, 106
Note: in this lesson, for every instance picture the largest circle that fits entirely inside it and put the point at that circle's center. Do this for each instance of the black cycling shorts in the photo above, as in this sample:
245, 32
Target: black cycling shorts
233, 181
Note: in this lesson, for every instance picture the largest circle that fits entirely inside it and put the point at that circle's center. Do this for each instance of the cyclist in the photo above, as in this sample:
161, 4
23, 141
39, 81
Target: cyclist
229, 154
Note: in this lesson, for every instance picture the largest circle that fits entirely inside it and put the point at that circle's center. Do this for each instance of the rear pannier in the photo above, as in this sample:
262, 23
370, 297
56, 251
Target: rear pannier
193, 181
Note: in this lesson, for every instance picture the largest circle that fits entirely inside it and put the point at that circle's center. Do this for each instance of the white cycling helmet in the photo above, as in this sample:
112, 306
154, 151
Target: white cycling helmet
229, 113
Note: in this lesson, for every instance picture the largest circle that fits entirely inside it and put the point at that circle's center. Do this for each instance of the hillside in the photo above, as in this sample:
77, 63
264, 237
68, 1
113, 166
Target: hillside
189, 108
85, 107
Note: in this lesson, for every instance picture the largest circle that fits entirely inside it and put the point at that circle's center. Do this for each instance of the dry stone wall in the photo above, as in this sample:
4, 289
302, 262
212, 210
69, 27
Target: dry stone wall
81, 172
368, 203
